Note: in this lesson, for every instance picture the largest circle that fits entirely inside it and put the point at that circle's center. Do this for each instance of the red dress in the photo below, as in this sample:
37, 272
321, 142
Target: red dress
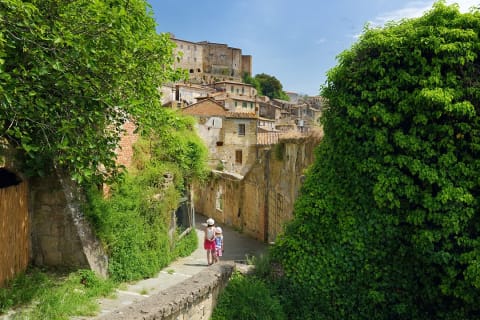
209, 244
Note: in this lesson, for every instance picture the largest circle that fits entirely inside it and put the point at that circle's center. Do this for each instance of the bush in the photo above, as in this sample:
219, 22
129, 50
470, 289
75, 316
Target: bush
133, 225
186, 245
133, 222
247, 298
387, 224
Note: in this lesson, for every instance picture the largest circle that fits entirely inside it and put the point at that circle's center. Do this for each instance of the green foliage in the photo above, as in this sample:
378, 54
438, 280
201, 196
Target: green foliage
133, 224
387, 224
134, 221
71, 73
56, 296
248, 79
23, 289
247, 297
269, 86
186, 245
174, 143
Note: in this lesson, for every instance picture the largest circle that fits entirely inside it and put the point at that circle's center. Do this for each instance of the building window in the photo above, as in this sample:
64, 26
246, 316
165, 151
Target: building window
231, 89
244, 104
243, 90
219, 199
235, 103
238, 156
241, 129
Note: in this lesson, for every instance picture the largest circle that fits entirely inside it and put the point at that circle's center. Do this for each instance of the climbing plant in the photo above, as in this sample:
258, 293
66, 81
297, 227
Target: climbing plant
135, 222
387, 225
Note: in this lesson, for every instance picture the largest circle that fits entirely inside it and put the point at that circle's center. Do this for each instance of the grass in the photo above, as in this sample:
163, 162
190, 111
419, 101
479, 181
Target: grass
42, 294
46, 294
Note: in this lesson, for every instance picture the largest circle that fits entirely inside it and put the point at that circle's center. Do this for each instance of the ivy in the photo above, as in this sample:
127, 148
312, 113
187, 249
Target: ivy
387, 222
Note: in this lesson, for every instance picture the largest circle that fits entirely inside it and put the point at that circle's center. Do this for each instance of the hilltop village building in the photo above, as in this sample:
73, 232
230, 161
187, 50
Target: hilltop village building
238, 127
208, 62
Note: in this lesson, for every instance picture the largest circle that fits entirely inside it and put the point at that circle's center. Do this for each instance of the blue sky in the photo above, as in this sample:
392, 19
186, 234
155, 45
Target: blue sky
295, 41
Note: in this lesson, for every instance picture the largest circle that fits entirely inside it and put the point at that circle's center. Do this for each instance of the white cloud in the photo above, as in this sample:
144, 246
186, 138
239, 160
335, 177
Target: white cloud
415, 9
320, 41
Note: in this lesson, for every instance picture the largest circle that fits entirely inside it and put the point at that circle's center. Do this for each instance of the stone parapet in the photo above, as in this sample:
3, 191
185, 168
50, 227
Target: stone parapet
192, 299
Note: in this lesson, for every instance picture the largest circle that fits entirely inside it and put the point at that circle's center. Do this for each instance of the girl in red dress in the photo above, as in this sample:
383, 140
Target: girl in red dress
209, 241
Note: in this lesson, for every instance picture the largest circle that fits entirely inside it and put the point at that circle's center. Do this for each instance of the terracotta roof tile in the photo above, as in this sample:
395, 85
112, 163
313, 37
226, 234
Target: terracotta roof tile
242, 115
205, 107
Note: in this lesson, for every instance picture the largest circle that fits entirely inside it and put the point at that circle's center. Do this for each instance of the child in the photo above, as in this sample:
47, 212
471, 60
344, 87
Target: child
218, 243
209, 241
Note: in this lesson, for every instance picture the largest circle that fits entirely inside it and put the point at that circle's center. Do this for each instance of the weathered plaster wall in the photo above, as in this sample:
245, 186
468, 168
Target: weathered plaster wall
263, 201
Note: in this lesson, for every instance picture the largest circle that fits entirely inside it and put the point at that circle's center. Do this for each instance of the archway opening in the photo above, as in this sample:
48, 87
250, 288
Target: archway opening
8, 178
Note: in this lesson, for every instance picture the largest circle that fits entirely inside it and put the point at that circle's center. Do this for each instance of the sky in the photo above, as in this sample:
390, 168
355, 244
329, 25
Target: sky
295, 41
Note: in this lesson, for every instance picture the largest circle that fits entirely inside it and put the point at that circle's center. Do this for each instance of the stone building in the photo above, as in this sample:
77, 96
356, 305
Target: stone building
268, 110
180, 95
190, 58
229, 136
251, 190
208, 62
236, 88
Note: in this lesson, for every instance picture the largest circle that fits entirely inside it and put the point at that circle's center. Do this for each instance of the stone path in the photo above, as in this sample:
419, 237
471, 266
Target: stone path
237, 248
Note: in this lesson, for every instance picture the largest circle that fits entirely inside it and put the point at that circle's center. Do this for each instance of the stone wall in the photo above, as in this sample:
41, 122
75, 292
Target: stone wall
60, 236
263, 200
193, 299
55, 240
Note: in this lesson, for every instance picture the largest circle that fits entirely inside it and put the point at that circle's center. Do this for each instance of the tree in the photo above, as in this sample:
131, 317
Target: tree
270, 86
71, 73
388, 222
248, 79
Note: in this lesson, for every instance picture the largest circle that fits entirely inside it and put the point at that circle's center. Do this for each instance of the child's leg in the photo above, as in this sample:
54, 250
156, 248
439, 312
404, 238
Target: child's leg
209, 257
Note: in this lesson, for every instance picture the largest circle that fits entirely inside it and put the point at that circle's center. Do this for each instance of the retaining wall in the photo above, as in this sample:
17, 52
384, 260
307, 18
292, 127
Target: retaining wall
193, 299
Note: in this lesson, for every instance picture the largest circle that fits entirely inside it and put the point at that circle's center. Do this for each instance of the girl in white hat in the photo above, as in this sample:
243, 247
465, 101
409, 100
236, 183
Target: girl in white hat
209, 241
218, 243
